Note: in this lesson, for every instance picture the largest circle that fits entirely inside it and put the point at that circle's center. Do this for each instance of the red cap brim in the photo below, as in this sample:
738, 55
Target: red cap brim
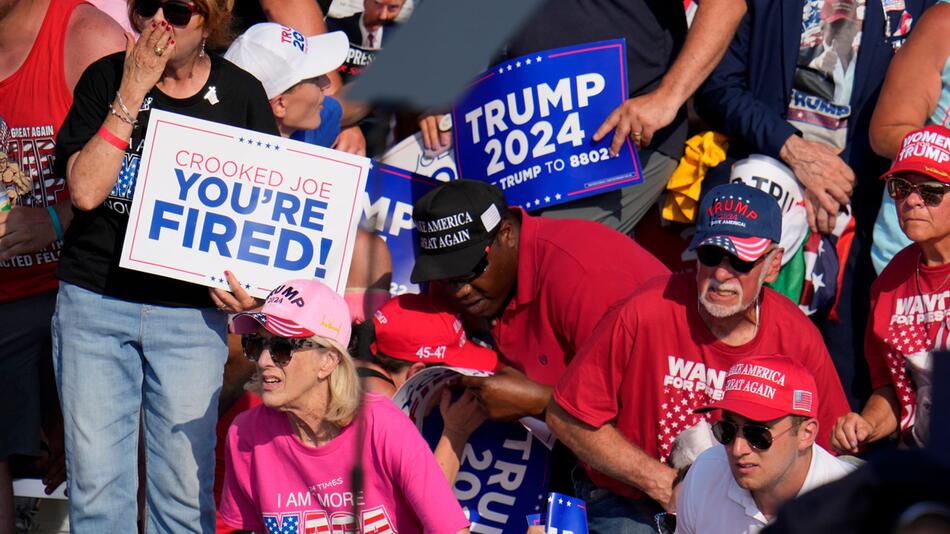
750, 410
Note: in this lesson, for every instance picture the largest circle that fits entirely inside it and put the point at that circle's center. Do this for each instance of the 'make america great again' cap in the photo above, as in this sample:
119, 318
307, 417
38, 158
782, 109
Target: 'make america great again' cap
456, 222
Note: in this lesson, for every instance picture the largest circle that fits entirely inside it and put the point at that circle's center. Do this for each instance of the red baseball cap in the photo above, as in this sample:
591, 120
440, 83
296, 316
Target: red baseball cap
763, 388
925, 151
417, 328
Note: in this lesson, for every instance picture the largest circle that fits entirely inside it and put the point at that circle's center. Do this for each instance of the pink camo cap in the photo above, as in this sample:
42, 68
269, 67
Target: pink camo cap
299, 309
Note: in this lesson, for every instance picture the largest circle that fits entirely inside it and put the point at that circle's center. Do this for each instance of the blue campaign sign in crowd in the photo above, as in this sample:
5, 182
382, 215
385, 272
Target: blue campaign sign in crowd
525, 126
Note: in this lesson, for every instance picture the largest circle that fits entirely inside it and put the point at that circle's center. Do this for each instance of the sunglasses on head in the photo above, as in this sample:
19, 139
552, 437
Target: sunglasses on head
712, 256
176, 12
930, 192
758, 436
281, 348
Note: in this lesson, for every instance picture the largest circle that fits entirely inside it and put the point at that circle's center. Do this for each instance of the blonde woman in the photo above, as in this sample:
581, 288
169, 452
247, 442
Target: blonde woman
290, 461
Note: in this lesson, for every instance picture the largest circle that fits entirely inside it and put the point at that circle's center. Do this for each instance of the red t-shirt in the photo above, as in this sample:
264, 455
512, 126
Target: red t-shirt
569, 273
653, 360
909, 318
34, 101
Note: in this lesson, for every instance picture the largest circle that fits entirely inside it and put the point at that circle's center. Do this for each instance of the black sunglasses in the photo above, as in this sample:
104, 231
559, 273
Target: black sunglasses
281, 348
757, 435
930, 192
176, 12
712, 256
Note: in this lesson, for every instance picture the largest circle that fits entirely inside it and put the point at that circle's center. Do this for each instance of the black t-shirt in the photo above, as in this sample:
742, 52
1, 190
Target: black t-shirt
93, 244
654, 29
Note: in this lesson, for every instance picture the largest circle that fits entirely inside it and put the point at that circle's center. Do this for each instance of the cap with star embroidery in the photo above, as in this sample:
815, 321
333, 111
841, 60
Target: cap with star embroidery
740, 219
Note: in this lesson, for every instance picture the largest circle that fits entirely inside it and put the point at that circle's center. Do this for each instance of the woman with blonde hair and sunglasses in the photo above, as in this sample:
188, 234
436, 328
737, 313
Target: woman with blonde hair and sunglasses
132, 348
295, 461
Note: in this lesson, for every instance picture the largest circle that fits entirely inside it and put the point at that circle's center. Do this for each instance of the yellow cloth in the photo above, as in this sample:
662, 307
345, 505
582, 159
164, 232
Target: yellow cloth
703, 151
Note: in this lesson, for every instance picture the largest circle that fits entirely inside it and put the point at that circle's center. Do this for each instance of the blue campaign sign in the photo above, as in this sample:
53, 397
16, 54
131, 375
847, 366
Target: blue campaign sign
503, 475
525, 126
565, 515
387, 211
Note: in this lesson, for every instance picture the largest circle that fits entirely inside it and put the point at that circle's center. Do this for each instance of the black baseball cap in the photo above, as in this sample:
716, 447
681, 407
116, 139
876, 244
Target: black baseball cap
455, 221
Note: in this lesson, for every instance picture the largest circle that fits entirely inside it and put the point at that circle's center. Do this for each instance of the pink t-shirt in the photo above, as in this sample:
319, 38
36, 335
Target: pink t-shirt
276, 484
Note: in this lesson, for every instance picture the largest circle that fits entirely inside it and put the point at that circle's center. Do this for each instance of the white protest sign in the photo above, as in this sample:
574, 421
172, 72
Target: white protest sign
211, 197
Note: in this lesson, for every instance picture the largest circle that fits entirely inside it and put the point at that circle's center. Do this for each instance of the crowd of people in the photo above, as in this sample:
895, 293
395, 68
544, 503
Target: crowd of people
705, 394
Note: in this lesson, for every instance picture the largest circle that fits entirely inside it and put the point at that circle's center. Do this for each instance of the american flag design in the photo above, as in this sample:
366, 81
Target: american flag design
801, 400
282, 327
316, 522
904, 340
745, 248
676, 415
374, 521
285, 524
125, 184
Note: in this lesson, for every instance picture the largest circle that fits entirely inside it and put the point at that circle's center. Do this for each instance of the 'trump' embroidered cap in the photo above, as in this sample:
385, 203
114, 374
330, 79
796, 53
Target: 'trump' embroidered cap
299, 309
925, 151
763, 388
280, 56
455, 221
415, 328
740, 219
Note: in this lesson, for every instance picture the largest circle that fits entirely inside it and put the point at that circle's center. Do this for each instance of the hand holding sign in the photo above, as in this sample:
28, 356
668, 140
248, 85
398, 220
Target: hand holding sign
235, 301
508, 395
639, 118
525, 126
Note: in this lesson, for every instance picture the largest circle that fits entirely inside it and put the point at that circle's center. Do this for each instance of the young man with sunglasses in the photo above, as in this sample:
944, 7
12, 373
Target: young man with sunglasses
538, 285
665, 350
909, 317
768, 431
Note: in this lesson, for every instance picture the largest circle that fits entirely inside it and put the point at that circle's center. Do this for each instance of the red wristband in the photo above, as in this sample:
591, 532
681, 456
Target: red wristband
113, 139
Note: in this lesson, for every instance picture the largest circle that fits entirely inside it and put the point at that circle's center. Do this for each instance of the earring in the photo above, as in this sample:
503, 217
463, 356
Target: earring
201, 53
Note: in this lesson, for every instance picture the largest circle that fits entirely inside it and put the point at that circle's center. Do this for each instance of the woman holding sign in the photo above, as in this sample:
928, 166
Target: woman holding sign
290, 461
128, 345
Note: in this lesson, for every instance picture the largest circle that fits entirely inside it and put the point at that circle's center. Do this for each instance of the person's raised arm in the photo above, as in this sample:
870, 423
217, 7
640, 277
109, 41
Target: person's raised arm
605, 450
912, 86
713, 27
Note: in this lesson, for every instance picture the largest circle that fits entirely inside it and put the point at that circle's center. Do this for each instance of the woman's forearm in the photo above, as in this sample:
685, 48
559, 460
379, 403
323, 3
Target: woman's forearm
91, 173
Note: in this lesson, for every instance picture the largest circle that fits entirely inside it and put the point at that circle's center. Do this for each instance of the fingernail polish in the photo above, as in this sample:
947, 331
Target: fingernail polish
171, 42
153, 24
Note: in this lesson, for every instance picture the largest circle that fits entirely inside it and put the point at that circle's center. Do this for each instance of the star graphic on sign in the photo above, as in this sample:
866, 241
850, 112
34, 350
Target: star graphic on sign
527, 61
240, 139
509, 68
518, 64
568, 504
267, 145
551, 498
501, 71
276, 147
259, 143
537, 202
560, 501
538, 59
557, 196
547, 199
247, 286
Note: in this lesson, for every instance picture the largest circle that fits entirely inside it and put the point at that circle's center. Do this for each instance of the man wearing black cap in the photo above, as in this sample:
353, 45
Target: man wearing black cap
540, 284
665, 351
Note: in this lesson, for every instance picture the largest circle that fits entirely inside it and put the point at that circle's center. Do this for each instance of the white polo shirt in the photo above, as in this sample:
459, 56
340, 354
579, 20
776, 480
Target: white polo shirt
712, 502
